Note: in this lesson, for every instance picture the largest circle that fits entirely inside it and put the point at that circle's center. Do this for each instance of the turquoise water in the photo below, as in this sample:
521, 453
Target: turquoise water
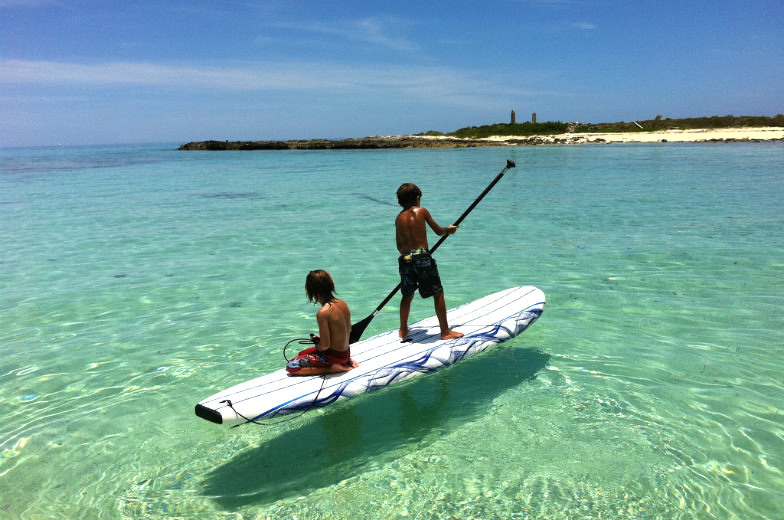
136, 281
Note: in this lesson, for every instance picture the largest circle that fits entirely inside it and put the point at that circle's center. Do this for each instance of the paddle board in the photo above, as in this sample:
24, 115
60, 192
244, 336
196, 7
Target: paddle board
383, 360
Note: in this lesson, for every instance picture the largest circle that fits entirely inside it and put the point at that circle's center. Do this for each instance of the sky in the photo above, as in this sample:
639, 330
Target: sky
173, 71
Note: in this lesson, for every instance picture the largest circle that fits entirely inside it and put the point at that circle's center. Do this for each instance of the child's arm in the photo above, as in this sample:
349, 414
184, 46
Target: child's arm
438, 230
325, 339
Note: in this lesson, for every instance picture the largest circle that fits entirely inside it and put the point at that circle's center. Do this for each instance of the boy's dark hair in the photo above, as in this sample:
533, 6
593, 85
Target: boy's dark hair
319, 286
407, 194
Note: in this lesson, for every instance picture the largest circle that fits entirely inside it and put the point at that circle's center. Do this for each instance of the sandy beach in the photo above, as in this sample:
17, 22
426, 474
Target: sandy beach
740, 134
675, 135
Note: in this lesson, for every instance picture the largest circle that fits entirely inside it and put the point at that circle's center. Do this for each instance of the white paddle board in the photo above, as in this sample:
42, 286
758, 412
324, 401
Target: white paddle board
383, 359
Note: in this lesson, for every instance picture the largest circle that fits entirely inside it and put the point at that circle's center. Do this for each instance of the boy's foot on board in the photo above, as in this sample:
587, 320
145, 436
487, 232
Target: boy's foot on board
451, 334
337, 368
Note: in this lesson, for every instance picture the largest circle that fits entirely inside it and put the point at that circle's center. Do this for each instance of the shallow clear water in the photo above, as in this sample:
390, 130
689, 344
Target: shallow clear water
136, 281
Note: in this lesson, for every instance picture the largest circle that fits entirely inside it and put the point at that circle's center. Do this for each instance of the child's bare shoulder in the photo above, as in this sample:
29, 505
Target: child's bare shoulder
335, 306
413, 212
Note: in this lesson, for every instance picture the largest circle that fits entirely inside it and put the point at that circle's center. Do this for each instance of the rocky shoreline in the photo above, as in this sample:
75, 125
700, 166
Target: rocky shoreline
358, 143
427, 141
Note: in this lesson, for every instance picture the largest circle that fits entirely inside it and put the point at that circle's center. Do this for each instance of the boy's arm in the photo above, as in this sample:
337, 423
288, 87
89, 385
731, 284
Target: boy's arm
325, 341
438, 230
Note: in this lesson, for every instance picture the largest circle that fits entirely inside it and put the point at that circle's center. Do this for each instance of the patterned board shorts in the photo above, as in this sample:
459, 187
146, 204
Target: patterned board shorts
418, 269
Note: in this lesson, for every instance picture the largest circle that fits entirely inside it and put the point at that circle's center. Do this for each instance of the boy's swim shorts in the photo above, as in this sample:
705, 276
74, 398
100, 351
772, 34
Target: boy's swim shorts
418, 269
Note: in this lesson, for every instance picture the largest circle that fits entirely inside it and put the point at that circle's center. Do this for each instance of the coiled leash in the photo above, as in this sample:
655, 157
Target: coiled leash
302, 341
312, 340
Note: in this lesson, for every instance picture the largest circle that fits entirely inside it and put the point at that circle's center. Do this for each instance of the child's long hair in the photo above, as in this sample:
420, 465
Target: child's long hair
319, 286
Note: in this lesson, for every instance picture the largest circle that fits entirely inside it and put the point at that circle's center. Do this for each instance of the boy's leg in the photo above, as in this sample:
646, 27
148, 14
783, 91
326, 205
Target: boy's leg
439, 302
405, 309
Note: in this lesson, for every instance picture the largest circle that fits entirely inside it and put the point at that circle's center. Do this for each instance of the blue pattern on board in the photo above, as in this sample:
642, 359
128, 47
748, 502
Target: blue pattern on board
457, 350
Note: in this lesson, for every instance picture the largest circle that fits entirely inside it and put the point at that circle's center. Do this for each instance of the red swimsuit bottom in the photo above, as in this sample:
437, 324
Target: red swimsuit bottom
310, 357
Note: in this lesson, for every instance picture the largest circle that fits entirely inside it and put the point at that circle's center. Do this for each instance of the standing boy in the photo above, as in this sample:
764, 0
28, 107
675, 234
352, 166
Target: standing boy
417, 267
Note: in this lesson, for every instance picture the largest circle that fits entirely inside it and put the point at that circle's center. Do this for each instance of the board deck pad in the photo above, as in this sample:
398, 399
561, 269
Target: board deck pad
383, 359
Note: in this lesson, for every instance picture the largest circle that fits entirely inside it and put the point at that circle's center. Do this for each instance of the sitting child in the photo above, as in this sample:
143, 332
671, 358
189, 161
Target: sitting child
331, 353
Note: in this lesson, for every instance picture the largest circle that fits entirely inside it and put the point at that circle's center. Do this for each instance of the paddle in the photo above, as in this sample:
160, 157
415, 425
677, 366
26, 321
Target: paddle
358, 328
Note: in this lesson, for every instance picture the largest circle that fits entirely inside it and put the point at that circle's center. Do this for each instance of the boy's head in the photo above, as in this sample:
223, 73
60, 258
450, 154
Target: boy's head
319, 286
407, 194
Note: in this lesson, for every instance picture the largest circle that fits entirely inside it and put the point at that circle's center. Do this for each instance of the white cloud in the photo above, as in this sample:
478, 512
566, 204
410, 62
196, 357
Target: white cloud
256, 77
441, 85
27, 3
371, 30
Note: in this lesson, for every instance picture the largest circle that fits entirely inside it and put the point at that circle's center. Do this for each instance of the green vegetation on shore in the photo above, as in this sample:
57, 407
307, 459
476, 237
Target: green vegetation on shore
520, 134
659, 123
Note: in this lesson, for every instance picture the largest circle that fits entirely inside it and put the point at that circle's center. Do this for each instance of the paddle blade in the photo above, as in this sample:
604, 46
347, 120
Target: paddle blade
358, 328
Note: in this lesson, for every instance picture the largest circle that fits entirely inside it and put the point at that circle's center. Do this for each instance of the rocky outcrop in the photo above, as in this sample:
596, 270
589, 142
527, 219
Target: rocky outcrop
359, 143
442, 141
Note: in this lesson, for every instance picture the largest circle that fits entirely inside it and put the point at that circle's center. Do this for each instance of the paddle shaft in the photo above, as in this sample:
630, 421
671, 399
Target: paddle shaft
358, 328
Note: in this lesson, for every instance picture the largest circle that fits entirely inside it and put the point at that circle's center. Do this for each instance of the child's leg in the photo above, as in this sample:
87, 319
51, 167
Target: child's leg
405, 309
440, 304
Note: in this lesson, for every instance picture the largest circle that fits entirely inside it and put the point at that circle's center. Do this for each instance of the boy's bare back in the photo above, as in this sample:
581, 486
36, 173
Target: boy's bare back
410, 231
334, 320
